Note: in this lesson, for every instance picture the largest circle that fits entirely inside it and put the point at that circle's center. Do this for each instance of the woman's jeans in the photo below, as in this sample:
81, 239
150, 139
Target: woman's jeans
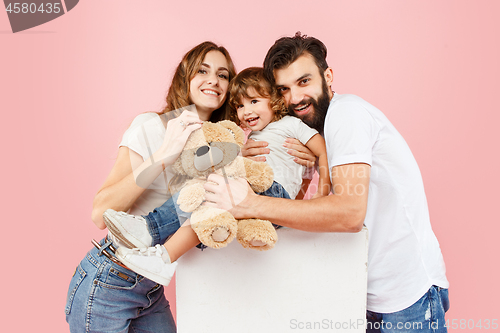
425, 316
163, 221
105, 297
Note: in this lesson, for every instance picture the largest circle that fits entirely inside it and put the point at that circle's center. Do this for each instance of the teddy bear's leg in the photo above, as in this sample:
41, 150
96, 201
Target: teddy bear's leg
215, 227
257, 234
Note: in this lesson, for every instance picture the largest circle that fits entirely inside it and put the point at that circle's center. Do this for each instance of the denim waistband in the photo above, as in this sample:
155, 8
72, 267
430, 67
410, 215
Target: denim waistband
97, 258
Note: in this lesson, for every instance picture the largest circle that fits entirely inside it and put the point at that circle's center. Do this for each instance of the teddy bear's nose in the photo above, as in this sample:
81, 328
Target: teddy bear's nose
202, 151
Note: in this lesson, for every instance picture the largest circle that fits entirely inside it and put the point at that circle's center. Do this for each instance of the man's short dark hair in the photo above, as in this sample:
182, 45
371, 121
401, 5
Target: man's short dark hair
287, 49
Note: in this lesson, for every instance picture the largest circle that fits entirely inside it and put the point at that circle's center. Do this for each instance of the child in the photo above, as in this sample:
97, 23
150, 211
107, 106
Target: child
256, 106
259, 108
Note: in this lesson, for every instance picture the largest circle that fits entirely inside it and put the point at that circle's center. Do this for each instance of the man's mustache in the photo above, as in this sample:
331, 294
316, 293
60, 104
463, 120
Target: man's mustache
305, 101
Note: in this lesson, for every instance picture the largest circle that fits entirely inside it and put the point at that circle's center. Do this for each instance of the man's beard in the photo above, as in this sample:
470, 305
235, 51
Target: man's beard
316, 118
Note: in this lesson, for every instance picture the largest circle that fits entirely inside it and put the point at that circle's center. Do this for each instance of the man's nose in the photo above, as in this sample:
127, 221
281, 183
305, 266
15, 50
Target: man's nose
296, 96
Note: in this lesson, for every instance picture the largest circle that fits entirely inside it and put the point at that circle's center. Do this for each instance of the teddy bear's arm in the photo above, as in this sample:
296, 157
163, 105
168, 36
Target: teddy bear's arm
191, 196
258, 174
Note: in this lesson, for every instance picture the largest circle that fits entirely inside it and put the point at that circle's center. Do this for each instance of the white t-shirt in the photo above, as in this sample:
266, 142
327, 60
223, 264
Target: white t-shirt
286, 172
145, 136
404, 257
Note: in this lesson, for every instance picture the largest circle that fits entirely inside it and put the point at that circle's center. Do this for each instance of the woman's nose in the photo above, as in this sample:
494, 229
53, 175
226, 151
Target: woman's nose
213, 79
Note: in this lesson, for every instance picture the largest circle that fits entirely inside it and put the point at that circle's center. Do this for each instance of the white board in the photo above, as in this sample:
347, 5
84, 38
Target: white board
308, 281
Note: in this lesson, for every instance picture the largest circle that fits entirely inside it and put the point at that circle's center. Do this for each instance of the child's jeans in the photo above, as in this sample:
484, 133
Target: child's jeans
163, 221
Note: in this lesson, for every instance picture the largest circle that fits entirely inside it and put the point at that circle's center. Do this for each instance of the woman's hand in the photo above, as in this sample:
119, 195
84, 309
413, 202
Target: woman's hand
176, 135
253, 148
303, 155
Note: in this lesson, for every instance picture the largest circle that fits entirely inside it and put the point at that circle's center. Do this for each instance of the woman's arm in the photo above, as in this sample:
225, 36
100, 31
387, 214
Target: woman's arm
130, 176
317, 145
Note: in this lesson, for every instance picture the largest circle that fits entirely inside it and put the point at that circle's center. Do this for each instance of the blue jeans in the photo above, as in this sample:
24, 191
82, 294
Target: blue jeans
163, 221
105, 297
426, 315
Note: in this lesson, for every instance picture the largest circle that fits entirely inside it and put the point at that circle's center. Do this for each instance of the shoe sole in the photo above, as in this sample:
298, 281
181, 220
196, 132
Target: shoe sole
147, 274
120, 233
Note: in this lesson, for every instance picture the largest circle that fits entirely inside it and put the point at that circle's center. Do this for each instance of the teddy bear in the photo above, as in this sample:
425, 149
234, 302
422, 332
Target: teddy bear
214, 148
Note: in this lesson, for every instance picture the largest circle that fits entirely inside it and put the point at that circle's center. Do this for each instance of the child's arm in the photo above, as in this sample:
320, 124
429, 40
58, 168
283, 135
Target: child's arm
317, 145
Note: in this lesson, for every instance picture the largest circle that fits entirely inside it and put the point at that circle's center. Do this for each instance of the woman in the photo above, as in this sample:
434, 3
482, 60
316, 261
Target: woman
105, 296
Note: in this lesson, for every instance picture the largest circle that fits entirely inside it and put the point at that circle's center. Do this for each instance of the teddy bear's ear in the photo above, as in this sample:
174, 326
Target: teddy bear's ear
235, 130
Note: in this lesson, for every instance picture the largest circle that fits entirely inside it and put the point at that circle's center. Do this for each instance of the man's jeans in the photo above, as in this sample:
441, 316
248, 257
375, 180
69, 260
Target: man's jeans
425, 316
163, 221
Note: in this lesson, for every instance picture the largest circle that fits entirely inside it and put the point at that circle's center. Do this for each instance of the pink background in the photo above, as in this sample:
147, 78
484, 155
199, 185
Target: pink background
70, 87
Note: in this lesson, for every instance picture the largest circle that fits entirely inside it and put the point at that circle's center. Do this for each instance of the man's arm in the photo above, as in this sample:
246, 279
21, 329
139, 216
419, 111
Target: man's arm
317, 145
303, 189
344, 211
302, 154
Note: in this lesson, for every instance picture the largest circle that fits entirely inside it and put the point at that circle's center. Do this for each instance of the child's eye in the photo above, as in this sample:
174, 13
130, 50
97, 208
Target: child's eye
239, 106
254, 101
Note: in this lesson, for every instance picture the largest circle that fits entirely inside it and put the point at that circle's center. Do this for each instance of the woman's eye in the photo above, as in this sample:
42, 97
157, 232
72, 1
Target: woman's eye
202, 71
224, 76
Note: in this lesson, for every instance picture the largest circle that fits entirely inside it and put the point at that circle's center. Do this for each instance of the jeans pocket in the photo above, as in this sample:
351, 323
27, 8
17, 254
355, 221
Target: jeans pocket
117, 278
75, 282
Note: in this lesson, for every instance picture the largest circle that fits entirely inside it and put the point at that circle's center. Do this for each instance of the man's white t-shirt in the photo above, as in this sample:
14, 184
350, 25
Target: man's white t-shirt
286, 172
404, 257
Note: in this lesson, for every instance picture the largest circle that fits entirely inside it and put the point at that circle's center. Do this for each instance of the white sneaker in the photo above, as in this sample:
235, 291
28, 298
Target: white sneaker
148, 262
129, 229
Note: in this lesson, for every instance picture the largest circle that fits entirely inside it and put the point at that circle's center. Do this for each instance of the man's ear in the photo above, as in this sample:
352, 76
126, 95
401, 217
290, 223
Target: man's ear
328, 76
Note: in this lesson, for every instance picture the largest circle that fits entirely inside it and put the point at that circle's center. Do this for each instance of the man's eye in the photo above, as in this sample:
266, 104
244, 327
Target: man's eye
282, 90
304, 81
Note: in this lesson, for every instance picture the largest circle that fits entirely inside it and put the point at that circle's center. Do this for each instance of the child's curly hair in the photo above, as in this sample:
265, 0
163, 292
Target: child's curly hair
253, 77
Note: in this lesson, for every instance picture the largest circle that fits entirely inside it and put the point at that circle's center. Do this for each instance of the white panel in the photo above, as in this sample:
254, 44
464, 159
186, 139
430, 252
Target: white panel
309, 281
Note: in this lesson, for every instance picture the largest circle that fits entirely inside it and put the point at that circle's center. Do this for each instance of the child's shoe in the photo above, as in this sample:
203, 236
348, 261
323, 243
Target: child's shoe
129, 229
152, 263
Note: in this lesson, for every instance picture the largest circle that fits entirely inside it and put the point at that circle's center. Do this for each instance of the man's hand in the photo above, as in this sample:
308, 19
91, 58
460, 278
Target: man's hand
253, 148
233, 195
303, 155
